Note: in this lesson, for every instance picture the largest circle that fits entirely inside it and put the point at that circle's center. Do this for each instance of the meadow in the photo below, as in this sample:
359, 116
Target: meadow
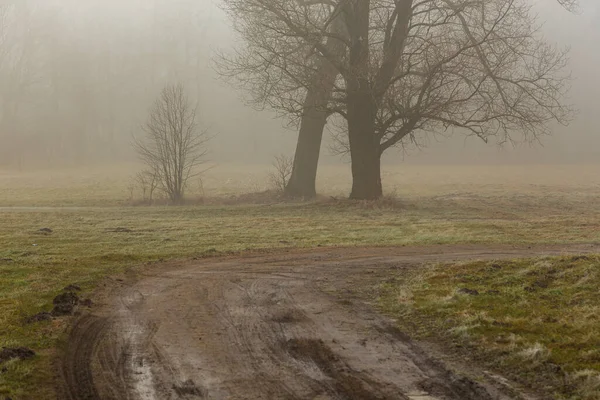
99, 229
535, 320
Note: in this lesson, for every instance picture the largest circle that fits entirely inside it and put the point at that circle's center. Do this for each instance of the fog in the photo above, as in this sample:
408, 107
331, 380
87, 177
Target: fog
77, 78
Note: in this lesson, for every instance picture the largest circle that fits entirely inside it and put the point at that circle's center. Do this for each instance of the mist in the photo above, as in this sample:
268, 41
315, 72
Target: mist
77, 79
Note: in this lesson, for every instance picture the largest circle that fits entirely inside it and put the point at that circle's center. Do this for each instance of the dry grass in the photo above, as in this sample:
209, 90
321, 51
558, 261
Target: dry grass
109, 186
535, 320
432, 205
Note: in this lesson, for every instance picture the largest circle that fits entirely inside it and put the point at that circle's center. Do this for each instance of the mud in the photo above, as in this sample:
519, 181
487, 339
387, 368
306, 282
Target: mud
119, 230
20, 353
345, 383
295, 325
87, 303
72, 288
39, 317
470, 292
64, 304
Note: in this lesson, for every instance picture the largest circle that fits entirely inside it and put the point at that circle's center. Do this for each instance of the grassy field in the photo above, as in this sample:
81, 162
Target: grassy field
535, 320
534, 204
111, 186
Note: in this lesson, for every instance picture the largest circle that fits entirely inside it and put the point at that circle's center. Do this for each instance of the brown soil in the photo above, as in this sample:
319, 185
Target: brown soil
64, 304
39, 317
19, 353
72, 288
296, 325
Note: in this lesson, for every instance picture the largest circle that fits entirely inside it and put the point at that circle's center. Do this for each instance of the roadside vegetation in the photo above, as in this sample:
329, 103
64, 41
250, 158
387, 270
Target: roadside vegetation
535, 320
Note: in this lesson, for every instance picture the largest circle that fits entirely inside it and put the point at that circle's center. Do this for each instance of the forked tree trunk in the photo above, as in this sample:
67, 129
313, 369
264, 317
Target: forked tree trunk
362, 108
365, 97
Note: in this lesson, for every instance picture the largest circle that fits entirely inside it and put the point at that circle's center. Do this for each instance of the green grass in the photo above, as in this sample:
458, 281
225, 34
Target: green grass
437, 205
536, 320
82, 249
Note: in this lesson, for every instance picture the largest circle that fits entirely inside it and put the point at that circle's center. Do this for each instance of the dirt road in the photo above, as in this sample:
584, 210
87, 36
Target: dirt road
285, 326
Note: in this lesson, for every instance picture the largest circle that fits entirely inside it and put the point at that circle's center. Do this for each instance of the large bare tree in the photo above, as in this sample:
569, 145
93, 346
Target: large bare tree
172, 146
407, 68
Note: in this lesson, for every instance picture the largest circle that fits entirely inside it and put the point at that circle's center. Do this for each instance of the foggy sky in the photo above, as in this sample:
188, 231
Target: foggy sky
139, 44
577, 143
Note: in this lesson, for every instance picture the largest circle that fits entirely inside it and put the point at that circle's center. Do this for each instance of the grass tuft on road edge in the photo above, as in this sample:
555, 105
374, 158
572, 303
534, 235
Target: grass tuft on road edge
537, 321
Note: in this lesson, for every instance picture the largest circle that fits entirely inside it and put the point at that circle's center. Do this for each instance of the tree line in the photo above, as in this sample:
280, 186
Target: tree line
76, 78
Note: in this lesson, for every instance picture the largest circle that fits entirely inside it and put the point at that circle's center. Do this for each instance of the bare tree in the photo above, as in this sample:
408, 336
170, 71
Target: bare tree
407, 68
289, 76
172, 146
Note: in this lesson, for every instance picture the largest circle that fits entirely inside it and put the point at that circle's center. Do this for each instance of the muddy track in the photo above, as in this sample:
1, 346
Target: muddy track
284, 326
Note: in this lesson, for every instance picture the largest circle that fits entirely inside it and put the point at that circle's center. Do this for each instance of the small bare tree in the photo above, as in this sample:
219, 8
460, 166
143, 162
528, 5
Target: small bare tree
283, 166
172, 146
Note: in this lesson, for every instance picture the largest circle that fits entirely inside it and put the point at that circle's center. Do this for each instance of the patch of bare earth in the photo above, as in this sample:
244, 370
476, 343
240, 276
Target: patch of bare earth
283, 326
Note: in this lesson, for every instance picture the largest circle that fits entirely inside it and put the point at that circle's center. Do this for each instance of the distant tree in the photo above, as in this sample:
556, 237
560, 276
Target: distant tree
172, 146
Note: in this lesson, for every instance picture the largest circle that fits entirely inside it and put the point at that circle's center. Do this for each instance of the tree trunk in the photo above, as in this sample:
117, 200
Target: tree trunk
366, 183
302, 183
362, 109
364, 148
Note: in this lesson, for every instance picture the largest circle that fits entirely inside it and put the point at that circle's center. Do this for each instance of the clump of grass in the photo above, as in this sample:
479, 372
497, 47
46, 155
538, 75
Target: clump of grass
589, 383
462, 331
536, 320
536, 354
